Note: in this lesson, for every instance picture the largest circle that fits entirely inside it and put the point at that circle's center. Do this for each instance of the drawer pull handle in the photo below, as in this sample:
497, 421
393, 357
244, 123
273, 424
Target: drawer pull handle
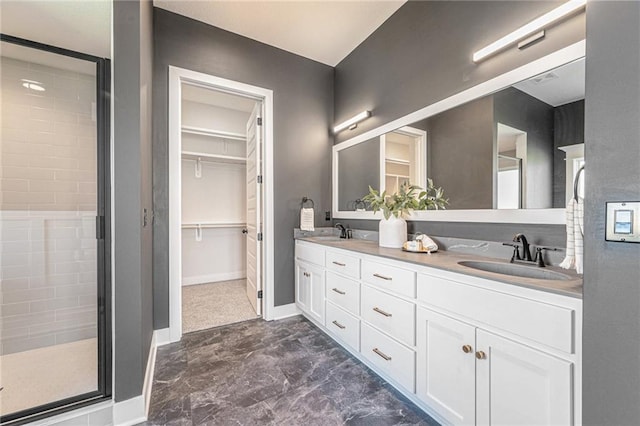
467, 349
340, 326
382, 277
339, 291
306, 274
381, 312
481, 355
338, 263
382, 354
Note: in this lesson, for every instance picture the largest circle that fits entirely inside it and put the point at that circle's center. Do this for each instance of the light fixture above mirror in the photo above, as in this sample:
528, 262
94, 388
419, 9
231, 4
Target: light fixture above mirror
532, 31
352, 123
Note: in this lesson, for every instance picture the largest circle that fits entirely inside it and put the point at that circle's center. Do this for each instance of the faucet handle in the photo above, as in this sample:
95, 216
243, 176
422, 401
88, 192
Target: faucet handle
538, 258
516, 251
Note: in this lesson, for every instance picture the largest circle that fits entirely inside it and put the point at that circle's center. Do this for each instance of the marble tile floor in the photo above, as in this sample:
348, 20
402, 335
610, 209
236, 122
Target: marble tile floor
284, 372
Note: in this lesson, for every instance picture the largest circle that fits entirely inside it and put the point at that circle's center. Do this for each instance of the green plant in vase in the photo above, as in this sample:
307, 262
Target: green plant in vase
395, 207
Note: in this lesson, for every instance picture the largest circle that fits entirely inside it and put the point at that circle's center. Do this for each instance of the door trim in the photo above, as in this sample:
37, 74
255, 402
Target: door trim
176, 77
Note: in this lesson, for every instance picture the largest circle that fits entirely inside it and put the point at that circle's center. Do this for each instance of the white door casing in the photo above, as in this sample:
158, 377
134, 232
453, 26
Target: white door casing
254, 199
177, 76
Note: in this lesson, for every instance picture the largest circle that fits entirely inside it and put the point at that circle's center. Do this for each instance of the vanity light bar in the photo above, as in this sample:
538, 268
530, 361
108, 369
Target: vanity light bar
530, 28
353, 121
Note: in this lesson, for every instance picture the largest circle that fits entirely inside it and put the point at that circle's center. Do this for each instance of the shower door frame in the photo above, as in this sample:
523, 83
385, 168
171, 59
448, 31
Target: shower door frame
103, 237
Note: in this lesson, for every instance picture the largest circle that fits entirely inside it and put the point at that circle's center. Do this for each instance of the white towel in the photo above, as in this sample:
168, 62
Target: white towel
575, 234
306, 219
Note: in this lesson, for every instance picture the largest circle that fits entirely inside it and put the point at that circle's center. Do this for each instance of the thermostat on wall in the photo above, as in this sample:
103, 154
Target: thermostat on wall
623, 222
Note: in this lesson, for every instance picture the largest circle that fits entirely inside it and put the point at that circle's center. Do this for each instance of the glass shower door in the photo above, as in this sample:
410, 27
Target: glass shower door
54, 348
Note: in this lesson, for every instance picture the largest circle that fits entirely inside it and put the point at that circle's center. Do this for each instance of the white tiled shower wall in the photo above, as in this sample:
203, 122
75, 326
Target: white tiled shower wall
47, 207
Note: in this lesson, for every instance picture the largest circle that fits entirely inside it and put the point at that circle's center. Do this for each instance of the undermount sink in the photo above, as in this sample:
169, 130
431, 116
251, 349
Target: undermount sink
332, 238
515, 270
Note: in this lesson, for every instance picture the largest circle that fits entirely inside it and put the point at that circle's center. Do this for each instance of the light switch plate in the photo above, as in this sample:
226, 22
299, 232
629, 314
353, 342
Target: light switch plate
623, 222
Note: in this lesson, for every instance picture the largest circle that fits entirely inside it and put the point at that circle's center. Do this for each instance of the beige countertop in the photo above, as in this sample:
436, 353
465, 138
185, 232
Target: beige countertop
448, 261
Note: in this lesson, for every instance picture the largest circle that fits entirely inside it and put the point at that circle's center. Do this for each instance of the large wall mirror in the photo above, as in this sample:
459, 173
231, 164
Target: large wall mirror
504, 151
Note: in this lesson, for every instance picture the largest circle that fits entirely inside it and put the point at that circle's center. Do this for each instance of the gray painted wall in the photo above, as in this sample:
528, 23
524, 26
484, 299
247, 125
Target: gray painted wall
358, 167
611, 329
461, 154
303, 103
133, 310
568, 130
422, 54
521, 111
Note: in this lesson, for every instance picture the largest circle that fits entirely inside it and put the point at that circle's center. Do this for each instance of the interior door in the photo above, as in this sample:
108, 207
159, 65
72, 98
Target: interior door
254, 214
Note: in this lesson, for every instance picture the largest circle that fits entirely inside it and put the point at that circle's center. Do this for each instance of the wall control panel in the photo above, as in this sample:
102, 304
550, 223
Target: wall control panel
623, 222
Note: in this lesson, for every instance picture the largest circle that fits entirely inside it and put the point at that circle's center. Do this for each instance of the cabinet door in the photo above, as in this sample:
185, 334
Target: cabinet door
446, 366
519, 385
302, 287
315, 279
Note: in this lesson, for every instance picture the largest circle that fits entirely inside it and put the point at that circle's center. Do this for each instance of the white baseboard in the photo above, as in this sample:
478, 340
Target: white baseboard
212, 278
163, 336
129, 412
148, 375
135, 410
284, 311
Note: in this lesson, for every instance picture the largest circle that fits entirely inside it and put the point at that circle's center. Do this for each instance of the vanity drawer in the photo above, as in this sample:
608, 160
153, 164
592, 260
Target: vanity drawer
343, 291
310, 253
343, 264
389, 356
390, 278
390, 314
343, 325
542, 322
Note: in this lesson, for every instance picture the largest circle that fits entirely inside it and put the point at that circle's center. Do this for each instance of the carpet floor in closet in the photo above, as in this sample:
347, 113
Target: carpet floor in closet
214, 304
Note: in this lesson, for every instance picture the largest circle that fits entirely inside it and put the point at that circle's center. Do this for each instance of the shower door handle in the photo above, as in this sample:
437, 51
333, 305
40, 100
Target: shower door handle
100, 231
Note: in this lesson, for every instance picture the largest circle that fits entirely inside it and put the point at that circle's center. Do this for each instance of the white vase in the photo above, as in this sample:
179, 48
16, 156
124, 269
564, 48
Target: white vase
392, 232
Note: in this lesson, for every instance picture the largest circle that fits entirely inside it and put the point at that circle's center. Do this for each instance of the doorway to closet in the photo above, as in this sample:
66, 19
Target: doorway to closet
218, 130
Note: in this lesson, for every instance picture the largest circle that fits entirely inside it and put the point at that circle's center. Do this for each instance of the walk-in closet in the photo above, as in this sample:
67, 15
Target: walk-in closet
219, 207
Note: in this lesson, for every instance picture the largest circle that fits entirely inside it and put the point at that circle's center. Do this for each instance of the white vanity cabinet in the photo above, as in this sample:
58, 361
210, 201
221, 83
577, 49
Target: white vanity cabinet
467, 350
309, 279
471, 376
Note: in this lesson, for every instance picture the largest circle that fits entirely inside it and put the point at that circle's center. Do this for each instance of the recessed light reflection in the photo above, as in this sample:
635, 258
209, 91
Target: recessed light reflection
32, 85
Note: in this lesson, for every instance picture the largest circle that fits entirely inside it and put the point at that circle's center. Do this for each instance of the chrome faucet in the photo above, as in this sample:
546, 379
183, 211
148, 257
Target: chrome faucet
343, 231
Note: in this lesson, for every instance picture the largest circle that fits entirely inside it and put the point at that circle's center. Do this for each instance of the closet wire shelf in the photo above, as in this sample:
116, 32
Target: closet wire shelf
205, 225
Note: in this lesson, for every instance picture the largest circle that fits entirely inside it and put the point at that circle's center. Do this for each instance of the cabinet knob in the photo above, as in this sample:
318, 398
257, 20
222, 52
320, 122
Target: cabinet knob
467, 349
481, 355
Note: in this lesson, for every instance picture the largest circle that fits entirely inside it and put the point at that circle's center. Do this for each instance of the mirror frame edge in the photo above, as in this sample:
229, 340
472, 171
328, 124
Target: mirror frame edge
552, 216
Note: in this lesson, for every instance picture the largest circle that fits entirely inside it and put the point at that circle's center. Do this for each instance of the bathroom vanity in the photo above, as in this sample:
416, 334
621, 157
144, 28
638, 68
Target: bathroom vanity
466, 345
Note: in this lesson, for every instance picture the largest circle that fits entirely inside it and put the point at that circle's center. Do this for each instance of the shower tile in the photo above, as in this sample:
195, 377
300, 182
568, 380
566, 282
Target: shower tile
12, 309
74, 335
21, 344
28, 295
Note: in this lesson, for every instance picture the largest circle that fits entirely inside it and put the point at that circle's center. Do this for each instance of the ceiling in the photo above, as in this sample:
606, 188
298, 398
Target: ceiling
559, 86
325, 31
80, 25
